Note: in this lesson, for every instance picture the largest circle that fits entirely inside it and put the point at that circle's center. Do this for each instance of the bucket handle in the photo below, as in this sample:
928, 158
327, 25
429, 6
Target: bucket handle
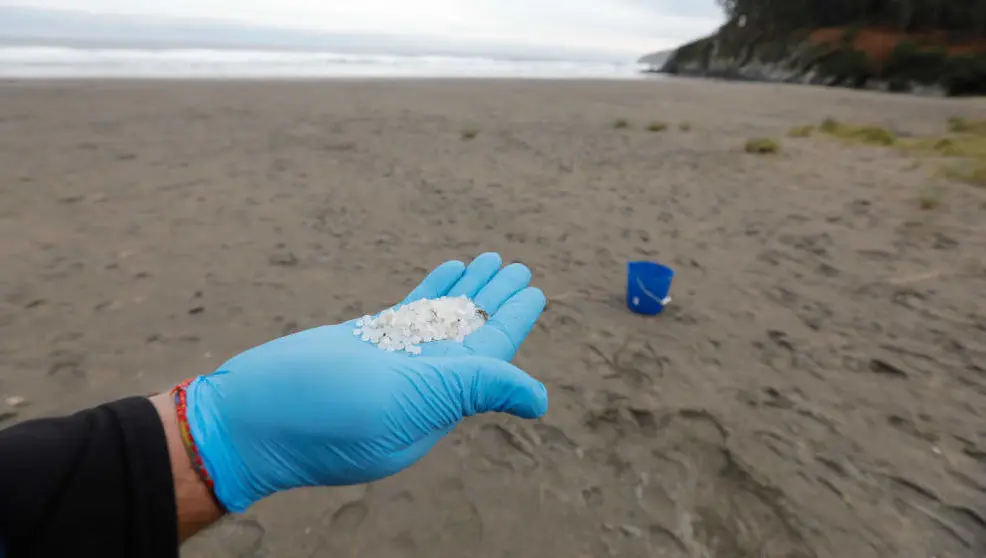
662, 301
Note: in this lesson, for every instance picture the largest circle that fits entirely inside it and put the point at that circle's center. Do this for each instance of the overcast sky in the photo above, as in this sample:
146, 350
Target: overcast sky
632, 26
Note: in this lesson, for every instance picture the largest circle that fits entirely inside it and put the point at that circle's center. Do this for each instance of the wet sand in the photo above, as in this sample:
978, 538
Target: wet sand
817, 388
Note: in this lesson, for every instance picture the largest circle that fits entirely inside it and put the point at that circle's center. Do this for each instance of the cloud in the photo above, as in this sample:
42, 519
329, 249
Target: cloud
631, 26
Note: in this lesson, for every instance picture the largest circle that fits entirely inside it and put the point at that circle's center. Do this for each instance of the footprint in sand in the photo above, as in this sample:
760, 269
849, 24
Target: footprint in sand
240, 537
696, 498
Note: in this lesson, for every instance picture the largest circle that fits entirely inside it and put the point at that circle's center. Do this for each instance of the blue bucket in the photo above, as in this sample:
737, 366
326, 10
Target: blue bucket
648, 285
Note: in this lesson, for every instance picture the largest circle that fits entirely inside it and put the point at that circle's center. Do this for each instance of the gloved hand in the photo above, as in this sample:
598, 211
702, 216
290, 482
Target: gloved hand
323, 408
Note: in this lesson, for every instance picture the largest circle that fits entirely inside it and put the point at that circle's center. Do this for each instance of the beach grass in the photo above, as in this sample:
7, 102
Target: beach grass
762, 146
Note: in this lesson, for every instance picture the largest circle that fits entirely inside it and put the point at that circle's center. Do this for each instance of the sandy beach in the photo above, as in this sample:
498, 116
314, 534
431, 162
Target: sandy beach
817, 389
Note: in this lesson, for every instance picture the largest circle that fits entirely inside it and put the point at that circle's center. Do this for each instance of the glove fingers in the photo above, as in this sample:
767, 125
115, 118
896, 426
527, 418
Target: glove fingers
438, 282
477, 275
502, 335
482, 385
508, 282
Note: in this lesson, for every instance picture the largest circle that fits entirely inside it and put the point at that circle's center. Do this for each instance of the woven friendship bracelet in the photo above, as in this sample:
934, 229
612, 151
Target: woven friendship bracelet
181, 408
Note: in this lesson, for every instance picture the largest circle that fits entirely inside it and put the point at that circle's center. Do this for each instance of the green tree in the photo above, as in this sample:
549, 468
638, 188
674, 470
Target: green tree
963, 18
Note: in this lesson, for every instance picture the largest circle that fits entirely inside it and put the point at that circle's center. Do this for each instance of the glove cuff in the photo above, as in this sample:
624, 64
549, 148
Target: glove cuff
234, 488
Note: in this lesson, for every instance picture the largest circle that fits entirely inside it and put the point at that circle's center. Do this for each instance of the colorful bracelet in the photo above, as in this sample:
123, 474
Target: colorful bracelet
181, 409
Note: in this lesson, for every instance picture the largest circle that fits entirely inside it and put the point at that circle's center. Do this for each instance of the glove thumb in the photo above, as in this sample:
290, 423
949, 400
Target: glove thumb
484, 385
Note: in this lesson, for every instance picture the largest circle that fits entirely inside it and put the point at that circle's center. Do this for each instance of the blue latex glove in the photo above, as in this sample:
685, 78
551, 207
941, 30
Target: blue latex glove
324, 408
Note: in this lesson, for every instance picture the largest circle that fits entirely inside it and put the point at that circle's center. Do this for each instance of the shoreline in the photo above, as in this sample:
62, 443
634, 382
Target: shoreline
60, 63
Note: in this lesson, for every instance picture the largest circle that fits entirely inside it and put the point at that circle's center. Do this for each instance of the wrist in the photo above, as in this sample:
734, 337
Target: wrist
197, 506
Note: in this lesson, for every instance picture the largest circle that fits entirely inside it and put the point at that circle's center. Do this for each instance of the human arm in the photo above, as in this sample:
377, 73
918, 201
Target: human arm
316, 408
49, 466
97, 482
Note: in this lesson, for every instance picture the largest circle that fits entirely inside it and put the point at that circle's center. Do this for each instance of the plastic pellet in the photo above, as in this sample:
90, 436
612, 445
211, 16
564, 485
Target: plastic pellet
422, 321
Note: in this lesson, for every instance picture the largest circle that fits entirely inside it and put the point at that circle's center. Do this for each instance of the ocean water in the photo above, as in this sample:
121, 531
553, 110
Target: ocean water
63, 62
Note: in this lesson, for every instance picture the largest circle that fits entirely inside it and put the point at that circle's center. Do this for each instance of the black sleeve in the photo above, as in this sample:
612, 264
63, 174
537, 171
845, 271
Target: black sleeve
97, 483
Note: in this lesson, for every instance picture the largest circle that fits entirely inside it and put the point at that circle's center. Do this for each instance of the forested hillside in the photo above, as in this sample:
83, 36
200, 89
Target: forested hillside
963, 17
918, 46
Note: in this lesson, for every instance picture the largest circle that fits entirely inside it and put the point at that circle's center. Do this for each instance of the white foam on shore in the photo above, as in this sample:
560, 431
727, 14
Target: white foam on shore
63, 62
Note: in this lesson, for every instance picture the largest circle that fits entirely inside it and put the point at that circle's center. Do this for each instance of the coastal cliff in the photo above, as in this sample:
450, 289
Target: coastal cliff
929, 63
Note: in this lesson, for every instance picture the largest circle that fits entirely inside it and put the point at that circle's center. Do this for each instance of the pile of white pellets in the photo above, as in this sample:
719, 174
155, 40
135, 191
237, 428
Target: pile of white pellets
421, 321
